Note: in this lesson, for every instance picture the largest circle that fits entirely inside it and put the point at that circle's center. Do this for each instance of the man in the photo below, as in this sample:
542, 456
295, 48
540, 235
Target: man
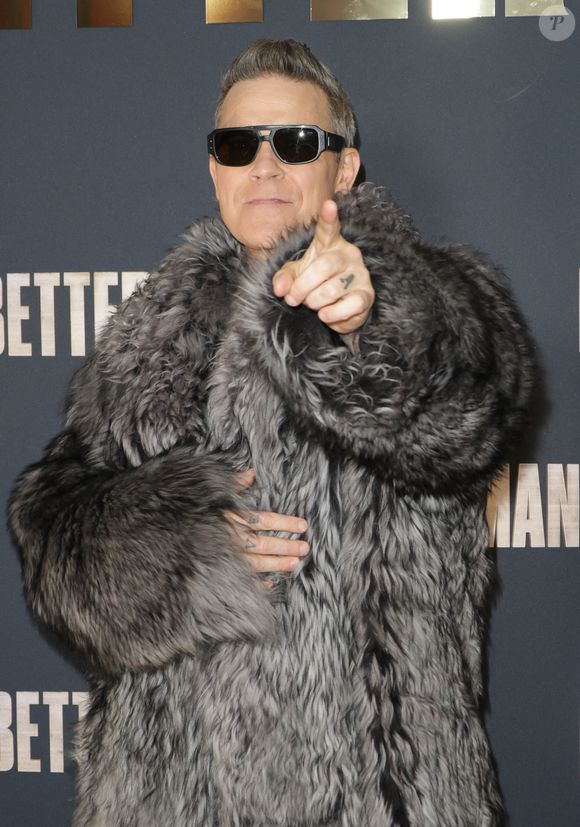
262, 201
361, 379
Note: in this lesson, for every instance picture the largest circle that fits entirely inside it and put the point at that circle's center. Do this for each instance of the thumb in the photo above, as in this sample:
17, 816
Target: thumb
245, 478
284, 279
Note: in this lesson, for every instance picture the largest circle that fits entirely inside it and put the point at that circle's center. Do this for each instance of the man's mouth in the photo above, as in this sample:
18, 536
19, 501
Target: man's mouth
267, 200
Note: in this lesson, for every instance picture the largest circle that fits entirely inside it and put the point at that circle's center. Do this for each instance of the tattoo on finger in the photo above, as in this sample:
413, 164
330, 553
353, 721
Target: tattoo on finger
346, 280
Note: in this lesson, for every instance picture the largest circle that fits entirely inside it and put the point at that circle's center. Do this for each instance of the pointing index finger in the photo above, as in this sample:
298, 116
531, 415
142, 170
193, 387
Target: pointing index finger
328, 226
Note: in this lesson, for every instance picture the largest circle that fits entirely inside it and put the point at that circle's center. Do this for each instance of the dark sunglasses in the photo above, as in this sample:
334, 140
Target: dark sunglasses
237, 146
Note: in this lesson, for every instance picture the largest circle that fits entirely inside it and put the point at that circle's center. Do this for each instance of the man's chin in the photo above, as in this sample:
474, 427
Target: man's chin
260, 243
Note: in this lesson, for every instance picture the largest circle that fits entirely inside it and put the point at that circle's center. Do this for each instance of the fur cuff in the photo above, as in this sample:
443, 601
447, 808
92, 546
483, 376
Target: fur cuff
134, 568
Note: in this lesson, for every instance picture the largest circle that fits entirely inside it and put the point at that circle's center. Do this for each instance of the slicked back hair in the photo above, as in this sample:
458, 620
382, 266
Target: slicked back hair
293, 60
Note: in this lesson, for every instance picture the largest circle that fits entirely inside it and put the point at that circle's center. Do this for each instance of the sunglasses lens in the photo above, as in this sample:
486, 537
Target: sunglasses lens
236, 148
295, 145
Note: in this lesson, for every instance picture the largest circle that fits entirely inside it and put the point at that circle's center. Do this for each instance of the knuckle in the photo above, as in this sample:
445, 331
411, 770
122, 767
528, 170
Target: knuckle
362, 302
347, 247
356, 253
331, 291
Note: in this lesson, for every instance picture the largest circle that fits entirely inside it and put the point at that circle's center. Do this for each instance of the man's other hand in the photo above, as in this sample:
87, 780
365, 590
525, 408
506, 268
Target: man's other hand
330, 278
265, 551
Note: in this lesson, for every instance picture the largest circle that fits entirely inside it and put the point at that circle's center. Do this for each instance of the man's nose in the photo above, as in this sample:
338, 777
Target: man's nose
266, 164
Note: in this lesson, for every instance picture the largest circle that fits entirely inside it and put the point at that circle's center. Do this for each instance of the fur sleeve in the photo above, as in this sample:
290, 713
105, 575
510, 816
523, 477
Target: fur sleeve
133, 568
125, 549
439, 387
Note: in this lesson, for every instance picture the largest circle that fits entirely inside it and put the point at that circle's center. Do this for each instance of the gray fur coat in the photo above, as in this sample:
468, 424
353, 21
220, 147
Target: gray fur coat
350, 694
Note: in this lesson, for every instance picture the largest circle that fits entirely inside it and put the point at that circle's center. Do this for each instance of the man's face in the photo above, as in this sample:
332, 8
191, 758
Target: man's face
261, 201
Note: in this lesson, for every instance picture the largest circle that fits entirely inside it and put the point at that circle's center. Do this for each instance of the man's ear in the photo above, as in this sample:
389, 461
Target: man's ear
348, 167
213, 173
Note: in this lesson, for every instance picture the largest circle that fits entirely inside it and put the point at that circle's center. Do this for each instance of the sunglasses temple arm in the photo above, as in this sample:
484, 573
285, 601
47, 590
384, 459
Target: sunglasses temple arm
334, 142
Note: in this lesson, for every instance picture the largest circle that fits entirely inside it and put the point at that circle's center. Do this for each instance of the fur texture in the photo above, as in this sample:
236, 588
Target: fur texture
350, 694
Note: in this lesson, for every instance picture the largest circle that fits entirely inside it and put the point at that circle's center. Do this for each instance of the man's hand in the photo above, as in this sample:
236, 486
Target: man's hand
330, 277
266, 552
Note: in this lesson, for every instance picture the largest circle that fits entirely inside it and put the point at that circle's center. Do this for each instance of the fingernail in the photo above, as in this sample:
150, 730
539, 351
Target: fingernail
291, 301
303, 525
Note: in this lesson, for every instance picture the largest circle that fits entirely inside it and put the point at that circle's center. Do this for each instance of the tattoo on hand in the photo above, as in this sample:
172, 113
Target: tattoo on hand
253, 519
249, 543
346, 280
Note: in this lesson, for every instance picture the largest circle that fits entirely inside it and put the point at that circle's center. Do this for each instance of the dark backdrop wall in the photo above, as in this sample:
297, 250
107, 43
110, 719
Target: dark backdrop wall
473, 125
